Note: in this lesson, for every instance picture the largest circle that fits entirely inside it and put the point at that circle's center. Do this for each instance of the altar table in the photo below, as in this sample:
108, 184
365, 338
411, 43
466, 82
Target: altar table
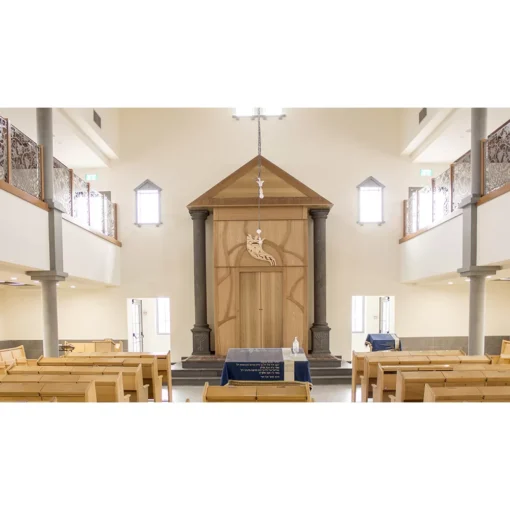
265, 365
383, 342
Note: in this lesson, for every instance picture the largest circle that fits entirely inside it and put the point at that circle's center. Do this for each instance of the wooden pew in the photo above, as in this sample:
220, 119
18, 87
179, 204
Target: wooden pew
387, 375
96, 346
149, 368
411, 385
35, 392
257, 393
14, 354
109, 388
132, 379
369, 377
164, 363
467, 394
358, 360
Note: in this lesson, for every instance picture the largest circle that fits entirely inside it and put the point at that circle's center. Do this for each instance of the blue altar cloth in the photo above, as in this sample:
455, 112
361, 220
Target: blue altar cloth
265, 365
383, 342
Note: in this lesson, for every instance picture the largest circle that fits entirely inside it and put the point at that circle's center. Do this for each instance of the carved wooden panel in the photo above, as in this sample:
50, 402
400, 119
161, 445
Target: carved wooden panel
249, 310
285, 240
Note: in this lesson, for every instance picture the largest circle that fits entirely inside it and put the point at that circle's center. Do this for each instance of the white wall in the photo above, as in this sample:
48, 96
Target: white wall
106, 137
435, 252
23, 233
494, 231
88, 256
152, 341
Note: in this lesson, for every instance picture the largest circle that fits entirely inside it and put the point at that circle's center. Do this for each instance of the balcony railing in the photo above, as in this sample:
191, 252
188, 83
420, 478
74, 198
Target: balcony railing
21, 166
435, 203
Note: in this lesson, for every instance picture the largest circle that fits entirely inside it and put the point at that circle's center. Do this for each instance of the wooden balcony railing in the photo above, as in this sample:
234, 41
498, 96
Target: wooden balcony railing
22, 173
439, 202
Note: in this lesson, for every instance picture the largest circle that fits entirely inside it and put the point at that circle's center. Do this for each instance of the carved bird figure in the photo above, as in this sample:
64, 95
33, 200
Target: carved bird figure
254, 247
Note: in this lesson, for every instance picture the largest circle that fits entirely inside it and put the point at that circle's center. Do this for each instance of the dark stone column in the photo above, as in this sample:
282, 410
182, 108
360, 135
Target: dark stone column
320, 329
201, 331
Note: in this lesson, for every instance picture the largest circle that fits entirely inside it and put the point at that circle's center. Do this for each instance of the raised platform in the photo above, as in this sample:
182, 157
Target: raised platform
197, 370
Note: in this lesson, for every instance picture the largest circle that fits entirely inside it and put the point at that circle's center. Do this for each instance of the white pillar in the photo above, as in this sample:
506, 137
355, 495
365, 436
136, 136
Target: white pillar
476, 338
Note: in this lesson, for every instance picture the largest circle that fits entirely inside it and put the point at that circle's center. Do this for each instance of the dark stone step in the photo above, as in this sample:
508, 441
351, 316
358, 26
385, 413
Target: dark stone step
332, 372
184, 373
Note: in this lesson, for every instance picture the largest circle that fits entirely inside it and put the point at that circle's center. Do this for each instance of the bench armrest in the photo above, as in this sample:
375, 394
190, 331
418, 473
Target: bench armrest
127, 398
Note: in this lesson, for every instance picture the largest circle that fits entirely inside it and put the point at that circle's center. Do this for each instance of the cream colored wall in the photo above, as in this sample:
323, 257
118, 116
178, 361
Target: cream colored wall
186, 151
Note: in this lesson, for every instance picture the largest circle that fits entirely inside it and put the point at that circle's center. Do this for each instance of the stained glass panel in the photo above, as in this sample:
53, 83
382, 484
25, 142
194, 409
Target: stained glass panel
412, 213
497, 159
62, 185
425, 207
3, 149
80, 200
442, 195
109, 218
461, 180
96, 210
26, 172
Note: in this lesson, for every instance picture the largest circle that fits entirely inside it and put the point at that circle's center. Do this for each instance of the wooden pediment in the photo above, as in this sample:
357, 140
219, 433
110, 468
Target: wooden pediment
240, 189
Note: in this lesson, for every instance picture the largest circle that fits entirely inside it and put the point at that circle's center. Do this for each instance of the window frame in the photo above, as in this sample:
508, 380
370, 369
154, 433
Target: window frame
148, 185
158, 332
370, 182
353, 330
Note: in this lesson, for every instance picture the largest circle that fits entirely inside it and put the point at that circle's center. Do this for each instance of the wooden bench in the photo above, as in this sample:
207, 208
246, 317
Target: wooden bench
132, 379
14, 354
149, 368
369, 377
358, 360
410, 386
164, 363
109, 388
467, 394
96, 346
35, 392
257, 393
387, 375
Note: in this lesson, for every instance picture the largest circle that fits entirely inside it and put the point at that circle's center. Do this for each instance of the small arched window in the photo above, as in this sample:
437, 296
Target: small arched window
148, 204
370, 202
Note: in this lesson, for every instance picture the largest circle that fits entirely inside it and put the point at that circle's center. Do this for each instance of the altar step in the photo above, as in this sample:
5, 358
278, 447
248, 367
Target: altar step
188, 376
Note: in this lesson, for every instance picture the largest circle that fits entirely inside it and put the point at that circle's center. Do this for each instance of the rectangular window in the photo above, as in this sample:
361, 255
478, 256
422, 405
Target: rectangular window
163, 315
370, 205
147, 207
358, 314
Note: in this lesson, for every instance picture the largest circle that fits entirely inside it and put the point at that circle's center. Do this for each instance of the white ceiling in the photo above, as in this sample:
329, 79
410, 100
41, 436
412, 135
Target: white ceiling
70, 146
452, 139
15, 273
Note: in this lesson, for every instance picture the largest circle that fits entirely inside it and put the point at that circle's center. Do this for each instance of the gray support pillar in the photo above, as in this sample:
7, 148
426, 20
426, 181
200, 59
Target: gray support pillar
477, 274
201, 331
56, 273
320, 329
476, 337
50, 317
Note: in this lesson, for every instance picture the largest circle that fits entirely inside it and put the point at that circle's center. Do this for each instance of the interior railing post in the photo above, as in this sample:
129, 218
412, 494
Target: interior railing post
404, 221
71, 189
482, 166
451, 188
88, 198
9, 155
105, 216
41, 167
115, 220
433, 186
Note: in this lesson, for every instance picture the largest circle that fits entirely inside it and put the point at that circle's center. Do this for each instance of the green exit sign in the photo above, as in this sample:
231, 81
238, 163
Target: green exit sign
425, 172
91, 177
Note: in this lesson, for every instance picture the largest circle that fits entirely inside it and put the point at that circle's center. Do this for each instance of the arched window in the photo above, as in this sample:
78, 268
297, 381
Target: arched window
370, 202
148, 204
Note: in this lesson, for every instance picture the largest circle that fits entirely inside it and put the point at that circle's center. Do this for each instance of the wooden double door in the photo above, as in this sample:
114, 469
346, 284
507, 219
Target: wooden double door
260, 308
